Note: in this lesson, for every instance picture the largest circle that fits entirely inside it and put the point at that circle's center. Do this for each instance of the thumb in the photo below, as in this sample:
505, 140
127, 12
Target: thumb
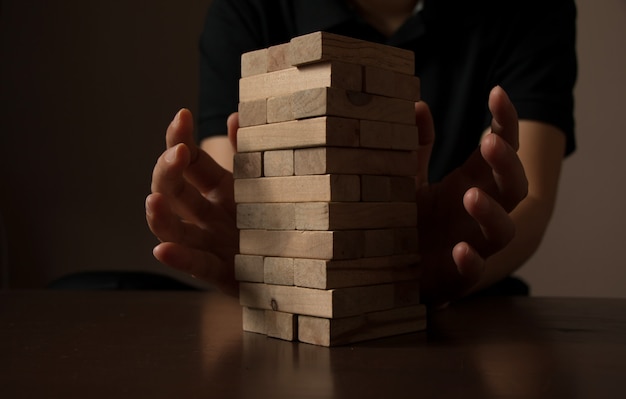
232, 123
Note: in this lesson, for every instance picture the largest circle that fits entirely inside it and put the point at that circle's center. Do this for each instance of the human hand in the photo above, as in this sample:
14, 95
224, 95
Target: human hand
191, 209
465, 218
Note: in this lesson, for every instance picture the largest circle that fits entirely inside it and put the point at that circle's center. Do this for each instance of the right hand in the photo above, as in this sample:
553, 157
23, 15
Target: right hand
191, 209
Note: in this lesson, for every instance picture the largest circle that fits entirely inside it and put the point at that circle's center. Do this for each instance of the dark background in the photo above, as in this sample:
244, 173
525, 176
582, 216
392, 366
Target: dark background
88, 88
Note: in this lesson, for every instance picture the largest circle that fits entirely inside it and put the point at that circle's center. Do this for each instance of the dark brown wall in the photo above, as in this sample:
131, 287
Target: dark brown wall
87, 90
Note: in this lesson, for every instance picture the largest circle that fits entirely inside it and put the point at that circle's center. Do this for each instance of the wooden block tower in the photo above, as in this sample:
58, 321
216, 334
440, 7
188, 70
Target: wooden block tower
325, 191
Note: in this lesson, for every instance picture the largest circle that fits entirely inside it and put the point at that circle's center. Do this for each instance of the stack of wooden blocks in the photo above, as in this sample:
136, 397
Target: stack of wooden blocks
325, 191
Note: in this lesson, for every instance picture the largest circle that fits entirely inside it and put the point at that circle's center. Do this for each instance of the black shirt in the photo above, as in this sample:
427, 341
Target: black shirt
462, 50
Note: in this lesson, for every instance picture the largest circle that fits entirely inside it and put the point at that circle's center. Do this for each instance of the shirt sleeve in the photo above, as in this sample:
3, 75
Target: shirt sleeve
538, 67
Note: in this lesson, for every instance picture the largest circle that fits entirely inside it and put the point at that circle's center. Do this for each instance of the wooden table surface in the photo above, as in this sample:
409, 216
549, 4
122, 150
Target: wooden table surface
190, 345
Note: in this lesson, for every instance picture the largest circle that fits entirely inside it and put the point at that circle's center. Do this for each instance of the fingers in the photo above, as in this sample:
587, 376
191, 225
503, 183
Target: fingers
507, 170
426, 132
180, 130
232, 125
469, 263
212, 180
200, 264
495, 223
167, 179
444, 284
184, 164
505, 121
202, 171
168, 227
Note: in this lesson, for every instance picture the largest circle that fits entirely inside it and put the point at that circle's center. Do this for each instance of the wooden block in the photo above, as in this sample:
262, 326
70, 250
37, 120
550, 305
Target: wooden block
324, 274
357, 161
266, 216
278, 271
252, 113
281, 325
254, 63
386, 242
402, 188
323, 188
375, 188
336, 303
388, 188
287, 299
393, 136
286, 81
254, 320
247, 165
278, 163
319, 46
278, 57
249, 268
351, 104
390, 83
406, 240
379, 242
354, 215
302, 244
279, 109
331, 332
315, 132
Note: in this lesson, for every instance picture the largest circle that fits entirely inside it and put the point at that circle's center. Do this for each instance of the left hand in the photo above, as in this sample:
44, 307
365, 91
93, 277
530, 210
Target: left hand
465, 218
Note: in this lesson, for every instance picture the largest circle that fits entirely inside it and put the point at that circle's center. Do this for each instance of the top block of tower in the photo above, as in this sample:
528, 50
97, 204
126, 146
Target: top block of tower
323, 46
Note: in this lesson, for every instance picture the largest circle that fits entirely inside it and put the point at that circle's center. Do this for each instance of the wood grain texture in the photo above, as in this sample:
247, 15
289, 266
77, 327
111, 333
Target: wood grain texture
254, 63
394, 241
357, 161
354, 215
322, 274
391, 83
393, 136
252, 113
278, 270
314, 132
278, 109
278, 57
319, 46
281, 325
278, 163
266, 216
341, 331
247, 165
326, 74
249, 268
332, 101
303, 244
324, 188
253, 320
336, 303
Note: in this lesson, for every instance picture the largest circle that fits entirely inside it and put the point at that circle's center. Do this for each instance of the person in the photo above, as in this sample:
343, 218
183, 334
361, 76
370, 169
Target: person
495, 123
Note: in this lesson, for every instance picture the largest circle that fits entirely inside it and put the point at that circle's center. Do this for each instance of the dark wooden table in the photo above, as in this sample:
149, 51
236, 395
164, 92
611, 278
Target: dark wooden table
190, 345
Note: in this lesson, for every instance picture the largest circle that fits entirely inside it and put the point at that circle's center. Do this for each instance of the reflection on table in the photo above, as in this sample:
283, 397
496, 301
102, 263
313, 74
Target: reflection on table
190, 344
